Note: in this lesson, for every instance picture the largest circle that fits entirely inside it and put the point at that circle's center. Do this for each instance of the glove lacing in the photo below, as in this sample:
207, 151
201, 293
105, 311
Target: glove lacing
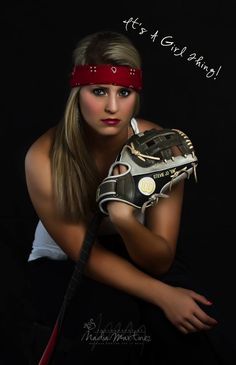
153, 200
140, 155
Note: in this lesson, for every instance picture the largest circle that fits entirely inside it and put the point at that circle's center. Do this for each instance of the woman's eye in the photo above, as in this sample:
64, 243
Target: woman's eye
99, 91
124, 92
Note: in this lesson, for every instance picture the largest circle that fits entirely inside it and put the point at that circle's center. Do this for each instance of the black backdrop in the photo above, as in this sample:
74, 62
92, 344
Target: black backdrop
37, 41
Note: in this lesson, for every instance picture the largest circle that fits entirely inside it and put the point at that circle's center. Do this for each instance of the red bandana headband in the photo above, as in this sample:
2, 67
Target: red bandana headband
107, 74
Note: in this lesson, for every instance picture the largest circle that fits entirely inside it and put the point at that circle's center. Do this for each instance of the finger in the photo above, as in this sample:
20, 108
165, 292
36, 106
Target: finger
119, 169
122, 169
198, 325
204, 318
189, 326
200, 298
182, 329
116, 170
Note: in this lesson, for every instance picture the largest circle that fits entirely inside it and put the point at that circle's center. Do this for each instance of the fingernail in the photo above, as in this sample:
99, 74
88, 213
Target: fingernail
209, 302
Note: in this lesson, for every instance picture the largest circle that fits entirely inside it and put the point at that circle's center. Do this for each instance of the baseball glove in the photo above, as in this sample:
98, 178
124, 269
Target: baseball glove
154, 161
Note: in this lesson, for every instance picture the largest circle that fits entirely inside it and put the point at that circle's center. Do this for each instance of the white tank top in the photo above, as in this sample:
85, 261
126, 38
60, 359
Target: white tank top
44, 245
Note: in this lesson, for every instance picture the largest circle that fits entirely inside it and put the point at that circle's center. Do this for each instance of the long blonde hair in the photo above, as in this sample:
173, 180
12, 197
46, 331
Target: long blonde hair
75, 176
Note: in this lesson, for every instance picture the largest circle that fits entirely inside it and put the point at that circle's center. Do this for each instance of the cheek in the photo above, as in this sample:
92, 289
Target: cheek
129, 105
89, 107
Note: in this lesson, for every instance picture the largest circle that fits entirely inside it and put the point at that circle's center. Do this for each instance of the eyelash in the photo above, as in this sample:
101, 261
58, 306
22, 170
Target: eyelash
98, 91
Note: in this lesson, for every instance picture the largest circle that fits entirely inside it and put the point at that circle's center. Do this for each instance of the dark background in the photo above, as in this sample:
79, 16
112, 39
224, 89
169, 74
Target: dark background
37, 40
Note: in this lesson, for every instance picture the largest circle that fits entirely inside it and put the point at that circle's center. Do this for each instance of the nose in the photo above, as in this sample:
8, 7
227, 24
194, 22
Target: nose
111, 103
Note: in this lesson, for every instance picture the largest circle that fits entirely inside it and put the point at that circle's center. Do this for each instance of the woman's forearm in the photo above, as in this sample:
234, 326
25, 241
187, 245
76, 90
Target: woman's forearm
111, 269
149, 251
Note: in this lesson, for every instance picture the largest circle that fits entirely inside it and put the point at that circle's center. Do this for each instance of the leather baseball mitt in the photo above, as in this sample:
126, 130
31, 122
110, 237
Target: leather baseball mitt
154, 161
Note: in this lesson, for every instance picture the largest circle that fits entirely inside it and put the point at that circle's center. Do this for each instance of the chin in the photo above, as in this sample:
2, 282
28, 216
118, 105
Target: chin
111, 131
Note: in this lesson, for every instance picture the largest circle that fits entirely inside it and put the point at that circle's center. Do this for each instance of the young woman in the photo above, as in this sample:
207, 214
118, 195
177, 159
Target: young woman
132, 276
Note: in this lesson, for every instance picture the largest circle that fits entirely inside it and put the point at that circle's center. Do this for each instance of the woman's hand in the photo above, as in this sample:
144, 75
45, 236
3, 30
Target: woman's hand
119, 210
181, 308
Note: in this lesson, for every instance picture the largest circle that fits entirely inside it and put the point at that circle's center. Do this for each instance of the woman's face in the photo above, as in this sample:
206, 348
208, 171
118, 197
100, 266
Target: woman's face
107, 108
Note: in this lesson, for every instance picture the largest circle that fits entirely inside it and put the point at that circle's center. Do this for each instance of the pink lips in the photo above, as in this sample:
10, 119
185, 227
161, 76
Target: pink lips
110, 121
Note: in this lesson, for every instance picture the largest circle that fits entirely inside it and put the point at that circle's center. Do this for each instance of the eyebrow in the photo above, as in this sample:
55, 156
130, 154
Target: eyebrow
105, 86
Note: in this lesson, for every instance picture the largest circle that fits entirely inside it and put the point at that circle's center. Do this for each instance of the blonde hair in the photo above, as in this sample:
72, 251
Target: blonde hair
75, 176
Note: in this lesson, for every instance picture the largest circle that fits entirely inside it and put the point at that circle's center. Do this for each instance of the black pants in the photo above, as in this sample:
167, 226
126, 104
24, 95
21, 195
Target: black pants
103, 324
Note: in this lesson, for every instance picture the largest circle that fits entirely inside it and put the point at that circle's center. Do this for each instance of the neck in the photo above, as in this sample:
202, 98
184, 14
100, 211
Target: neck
104, 149
101, 145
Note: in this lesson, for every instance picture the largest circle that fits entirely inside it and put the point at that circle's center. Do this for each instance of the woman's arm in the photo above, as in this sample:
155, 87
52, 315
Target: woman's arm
104, 266
151, 246
179, 304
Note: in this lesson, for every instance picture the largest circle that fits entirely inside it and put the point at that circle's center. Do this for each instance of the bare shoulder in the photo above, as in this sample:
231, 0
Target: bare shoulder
42, 145
145, 125
38, 164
